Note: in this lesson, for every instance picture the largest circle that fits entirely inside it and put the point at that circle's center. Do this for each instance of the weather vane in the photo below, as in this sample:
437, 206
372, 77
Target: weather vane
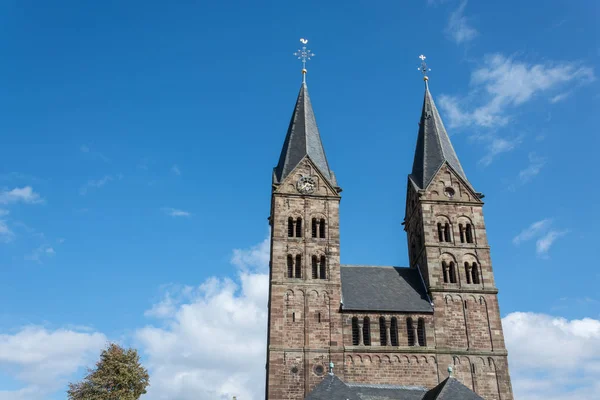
423, 68
304, 55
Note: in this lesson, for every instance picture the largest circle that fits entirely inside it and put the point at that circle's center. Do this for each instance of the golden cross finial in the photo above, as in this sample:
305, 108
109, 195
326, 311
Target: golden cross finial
304, 55
423, 68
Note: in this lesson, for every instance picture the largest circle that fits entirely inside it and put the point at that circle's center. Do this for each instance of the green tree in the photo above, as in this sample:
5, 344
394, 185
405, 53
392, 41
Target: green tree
118, 376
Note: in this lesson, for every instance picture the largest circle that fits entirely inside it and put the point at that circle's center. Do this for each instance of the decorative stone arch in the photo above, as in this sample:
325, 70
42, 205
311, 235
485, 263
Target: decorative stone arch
466, 229
386, 359
414, 360
396, 359
349, 360
444, 231
449, 268
404, 360
319, 225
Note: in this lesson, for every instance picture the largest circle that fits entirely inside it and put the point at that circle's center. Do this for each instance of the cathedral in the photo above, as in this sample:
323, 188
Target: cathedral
430, 330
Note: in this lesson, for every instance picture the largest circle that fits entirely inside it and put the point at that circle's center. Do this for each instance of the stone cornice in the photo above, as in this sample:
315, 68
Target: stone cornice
463, 290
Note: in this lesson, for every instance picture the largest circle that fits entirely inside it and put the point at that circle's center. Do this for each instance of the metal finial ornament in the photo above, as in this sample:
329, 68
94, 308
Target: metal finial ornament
304, 55
450, 371
331, 365
423, 68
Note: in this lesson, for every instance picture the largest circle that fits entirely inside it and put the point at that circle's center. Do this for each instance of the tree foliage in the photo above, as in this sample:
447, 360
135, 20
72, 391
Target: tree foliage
118, 376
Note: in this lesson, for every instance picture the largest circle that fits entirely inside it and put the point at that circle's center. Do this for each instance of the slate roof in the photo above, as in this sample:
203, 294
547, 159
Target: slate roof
333, 388
367, 288
302, 140
433, 146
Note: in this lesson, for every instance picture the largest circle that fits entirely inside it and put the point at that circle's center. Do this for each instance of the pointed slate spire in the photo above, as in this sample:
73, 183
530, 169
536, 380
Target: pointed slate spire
302, 140
433, 146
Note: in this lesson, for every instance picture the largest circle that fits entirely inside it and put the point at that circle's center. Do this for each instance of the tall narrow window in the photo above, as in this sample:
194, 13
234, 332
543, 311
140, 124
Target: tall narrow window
468, 272
315, 268
322, 228
440, 233
298, 266
410, 332
290, 227
452, 272
469, 233
421, 337
394, 331
319, 317
299, 227
314, 227
382, 333
293, 317
323, 268
447, 237
475, 272
290, 266
367, 331
355, 332
461, 229
445, 271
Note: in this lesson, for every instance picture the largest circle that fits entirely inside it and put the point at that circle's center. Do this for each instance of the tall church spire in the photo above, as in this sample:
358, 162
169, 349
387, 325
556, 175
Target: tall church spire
433, 144
302, 139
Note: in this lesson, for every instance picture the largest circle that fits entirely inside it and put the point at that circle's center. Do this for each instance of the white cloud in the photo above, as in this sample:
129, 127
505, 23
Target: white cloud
20, 195
559, 97
212, 339
536, 164
95, 184
502, 83
532, 231
39, 253
175, 169
43, 360
552, 358
543, 244
498, 145
6, 234
458, 27
174, 212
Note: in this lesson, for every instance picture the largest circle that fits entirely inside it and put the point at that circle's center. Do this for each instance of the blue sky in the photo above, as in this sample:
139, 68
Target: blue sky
138, 142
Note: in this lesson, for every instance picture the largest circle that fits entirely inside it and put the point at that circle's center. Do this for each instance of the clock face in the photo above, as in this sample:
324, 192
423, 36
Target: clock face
306, 185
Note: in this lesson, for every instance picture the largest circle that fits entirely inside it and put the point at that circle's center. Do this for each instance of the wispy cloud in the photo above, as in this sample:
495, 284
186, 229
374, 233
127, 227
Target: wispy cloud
496, 146
559, 97
541, 230
6, 234
93, 154
532, 231
175, 169
543, 244
40, 253
536, 163
20, 195
458, 27
95, 184
503, 83
174, 212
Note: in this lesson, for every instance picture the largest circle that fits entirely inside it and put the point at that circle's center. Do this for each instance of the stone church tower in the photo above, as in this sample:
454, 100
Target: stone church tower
398, 327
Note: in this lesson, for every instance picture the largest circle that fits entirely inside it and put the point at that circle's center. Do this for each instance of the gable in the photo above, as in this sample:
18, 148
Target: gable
307, 168
447, 185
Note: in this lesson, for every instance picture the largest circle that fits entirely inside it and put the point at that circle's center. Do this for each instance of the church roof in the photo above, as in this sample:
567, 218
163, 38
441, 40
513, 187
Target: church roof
332, 388
367, 288
302, 140
433, 146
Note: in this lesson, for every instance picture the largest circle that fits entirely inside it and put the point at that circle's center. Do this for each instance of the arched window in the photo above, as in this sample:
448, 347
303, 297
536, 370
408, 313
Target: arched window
452, 272
322, 228
447, 237
293, 317
367, 331
290, 227
299, 227
323, 268
475, 272
469, 233
445, 271
440, 233
290, 266
468, 272
421, 337
314, 227
298, 266
355, 332
319, 317
461, 229
315, 268
394, 331
382, 333
410, 332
